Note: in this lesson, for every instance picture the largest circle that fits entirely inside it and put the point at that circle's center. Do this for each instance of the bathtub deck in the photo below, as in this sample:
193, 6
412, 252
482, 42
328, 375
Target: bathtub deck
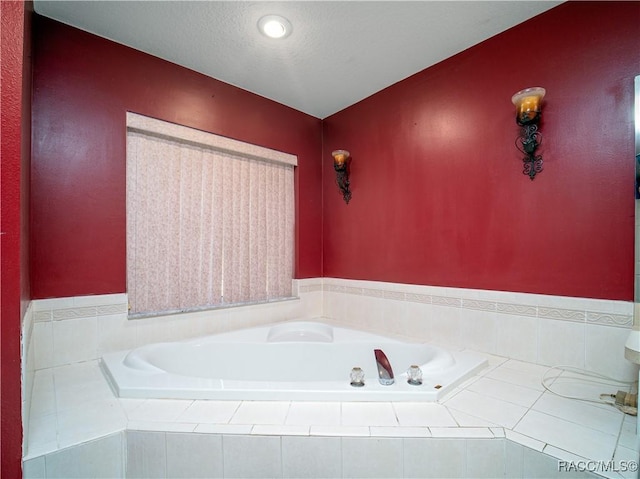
74, 404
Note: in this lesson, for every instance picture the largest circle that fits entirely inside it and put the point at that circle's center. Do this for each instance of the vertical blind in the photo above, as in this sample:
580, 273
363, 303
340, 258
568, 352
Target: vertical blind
206, 226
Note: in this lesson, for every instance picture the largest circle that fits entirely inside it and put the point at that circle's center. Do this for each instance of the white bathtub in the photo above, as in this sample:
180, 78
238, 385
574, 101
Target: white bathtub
300, 360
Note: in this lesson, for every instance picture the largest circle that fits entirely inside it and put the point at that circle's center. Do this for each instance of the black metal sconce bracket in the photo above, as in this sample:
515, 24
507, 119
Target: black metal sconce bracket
528, 142
342, 179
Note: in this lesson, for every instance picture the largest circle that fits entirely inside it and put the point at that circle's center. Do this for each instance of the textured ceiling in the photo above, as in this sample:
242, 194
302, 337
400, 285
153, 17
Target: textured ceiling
338, 53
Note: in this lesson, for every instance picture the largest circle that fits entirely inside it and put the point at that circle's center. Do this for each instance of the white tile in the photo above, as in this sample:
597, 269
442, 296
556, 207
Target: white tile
252, 456
537, 465
493, 361
371, 457
42, 344
566, 435
314, 413
209, 412
34, 468
514, 459
192, 456
334, 305
562, 454
497, 431
526, 379
74, 375
261, 412
524, 440
72, 396
242, 429
467, 420
399, 431
75, 340
423, 414
434, 458
115, 333
129, 404
90, 421
311, 457
368, 414
462, 432
374, 309
498, 412
418, 318
42, 435
512, 393
478, 330
445, 326
533, 369
52, 303
517, 337
628, 436
342, 431
561, 342
279, 430
160, 426
485, 458
146, 455
99, 300
43, 397
607, 421
166, 410
564, 302
359, 311
99, 458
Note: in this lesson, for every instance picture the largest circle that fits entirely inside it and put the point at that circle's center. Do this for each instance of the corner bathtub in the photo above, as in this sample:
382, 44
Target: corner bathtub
300, 360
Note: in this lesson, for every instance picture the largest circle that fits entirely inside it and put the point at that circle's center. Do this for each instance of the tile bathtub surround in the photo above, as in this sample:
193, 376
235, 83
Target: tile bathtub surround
499, 427
547, 330
70, 406
83, 328
528, 327
28, 368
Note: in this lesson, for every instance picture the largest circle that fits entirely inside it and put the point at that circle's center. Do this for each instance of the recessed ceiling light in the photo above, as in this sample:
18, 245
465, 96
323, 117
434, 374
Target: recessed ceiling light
275, 26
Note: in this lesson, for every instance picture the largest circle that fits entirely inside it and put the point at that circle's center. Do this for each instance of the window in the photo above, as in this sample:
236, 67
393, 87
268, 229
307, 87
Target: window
209, 219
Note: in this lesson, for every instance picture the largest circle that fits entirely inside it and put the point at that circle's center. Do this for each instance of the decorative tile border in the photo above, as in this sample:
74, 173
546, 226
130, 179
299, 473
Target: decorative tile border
418, 298
517, 309
446, 301
479, 305
77, 307
510, 308
395, 295
375, 293
61, 314
609, 319
310, 288
563, 314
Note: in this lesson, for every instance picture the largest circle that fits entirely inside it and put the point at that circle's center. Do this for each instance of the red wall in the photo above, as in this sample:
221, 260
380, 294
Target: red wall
438, 193
439, 197
83, 86
14, 192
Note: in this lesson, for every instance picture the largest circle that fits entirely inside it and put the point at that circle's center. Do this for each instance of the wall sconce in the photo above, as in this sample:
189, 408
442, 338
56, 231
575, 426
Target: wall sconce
528, 111
341, 160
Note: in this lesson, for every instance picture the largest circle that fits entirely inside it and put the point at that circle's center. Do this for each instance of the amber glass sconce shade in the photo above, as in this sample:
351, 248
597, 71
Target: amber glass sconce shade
528, 104
341, 160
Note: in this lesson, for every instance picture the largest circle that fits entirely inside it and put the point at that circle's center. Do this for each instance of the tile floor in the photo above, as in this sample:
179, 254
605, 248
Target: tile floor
74, 404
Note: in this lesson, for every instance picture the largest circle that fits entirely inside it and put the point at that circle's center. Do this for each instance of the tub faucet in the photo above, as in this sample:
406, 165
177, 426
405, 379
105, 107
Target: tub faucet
385, 372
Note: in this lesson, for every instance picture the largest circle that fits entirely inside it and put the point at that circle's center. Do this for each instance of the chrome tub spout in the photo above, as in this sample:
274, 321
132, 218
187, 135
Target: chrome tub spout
385, 372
